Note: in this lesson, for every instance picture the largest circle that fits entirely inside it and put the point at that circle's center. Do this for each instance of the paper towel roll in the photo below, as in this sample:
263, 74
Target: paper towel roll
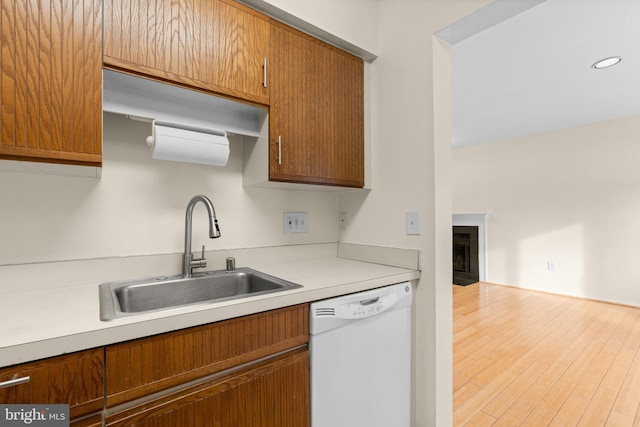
184, 143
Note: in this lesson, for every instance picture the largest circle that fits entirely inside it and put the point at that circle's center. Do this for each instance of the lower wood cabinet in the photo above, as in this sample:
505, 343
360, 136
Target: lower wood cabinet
272, 393
248, 371
93, 421
75, 379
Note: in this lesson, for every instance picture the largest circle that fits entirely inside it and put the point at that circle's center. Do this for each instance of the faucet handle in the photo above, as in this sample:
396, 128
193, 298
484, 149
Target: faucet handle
199, 262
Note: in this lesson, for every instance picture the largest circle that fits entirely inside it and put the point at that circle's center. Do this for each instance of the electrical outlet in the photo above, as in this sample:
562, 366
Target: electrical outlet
295, 222
413, 222
551, 266
342, 220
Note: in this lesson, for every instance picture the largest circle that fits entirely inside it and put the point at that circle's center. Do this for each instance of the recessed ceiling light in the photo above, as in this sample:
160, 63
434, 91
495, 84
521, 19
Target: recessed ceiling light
606, 63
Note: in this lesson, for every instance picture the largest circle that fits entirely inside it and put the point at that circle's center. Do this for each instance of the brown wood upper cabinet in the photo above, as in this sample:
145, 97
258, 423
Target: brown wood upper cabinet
215, 45
75, 379
51, 77
316, 116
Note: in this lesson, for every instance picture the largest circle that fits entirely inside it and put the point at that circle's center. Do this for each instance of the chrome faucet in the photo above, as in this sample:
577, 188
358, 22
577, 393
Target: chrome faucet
189, 262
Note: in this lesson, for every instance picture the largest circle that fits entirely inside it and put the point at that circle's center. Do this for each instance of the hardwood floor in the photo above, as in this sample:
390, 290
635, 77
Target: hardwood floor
523, 358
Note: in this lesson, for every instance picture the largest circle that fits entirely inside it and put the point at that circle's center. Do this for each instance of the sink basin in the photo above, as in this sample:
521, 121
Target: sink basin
125, 298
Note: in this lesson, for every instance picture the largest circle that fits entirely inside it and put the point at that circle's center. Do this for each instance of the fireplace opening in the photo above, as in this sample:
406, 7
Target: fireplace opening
466, 263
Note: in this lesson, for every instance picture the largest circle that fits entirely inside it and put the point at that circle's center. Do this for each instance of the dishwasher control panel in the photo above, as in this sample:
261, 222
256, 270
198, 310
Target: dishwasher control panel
367, 307
329, 314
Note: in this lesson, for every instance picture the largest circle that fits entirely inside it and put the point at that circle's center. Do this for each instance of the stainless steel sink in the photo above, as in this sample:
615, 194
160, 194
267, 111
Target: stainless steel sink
126, 298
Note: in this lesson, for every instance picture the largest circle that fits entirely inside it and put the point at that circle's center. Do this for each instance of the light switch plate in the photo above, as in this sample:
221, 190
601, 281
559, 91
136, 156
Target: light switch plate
295, 222
413, 222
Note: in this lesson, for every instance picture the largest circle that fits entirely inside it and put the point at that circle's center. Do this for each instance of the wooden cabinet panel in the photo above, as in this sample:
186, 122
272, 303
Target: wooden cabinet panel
274, 393
316, 114
215, 45
242, 49
75, 379
51, 79
141, 367
94, 421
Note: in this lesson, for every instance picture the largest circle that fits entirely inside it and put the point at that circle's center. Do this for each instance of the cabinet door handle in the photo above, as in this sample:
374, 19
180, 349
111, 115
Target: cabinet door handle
15, 381
264, 73
279, 149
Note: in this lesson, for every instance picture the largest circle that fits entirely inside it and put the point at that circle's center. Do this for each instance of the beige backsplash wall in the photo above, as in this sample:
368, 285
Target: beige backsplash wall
138, 206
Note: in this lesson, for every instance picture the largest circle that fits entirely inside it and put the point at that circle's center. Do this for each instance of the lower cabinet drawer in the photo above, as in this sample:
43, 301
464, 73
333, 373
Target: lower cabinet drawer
271, 393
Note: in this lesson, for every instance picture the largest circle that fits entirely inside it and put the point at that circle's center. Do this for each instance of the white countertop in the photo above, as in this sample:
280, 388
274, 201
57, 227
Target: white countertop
47, 322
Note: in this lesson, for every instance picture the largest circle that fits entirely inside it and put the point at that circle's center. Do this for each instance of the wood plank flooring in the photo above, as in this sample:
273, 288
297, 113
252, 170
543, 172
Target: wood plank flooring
523, 358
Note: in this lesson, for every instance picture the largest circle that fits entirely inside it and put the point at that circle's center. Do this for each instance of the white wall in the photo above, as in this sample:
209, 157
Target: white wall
352, 20
138, 206
571, 197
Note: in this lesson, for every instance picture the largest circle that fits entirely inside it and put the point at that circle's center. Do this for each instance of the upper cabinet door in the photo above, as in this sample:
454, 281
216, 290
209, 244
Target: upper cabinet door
216, 45
316, 116
51, 79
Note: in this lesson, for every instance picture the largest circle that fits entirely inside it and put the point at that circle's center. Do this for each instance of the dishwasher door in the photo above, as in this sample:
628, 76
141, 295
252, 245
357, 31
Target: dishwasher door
361, 359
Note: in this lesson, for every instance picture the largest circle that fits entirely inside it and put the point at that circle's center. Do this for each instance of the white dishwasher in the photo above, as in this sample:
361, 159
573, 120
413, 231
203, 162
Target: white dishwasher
361, 359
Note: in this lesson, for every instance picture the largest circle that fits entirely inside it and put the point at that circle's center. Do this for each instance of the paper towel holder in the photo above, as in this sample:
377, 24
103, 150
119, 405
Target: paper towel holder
150, 140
